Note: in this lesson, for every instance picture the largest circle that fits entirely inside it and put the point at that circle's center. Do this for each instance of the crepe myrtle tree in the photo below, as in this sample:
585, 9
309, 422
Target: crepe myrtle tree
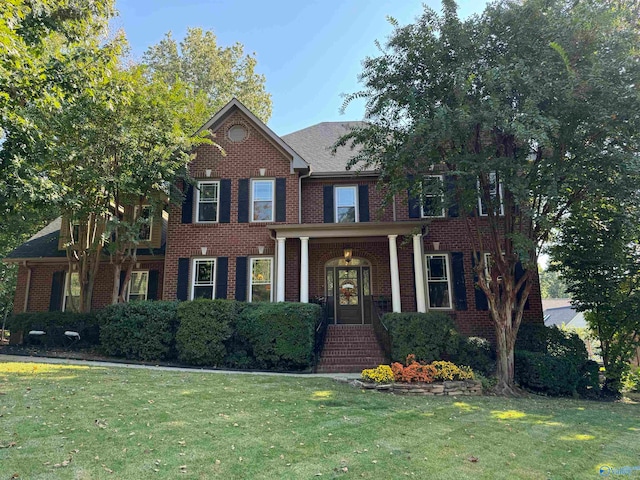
523, 109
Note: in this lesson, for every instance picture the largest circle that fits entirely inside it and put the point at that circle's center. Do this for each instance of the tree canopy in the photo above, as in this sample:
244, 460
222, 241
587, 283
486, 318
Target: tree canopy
528, 106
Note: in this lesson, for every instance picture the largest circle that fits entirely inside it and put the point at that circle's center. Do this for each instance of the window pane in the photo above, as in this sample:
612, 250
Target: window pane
204, 271
207, 212
346, 214
439, 295
346, 196
75, 284
261, 270
203, 292
139, 284
262, 210
262, 190
436, 266
208, 191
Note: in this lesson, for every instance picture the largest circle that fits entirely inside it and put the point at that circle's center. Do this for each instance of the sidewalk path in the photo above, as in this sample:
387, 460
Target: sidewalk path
92, 363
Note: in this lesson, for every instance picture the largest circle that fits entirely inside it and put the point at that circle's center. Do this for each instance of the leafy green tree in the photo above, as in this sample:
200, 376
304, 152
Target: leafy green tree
526, 107
551, 284
219, 73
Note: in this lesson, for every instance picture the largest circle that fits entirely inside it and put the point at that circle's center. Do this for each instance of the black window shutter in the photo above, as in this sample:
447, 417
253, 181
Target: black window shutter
152, 291
413, 200
57, 291
281, 199
222, 268
459, 288
182, 292
241, 279
481, 298
363, 202
327, 193
518, 274
225, 201
450, 186
187, 205
123, 274
243, 200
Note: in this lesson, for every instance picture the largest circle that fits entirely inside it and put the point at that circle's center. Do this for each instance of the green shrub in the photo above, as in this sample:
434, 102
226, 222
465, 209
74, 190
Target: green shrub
429, 336
139, 330
280, 335
632, 380
55, 324
552, 340
204, 327
589, 383
476, 352
546, 373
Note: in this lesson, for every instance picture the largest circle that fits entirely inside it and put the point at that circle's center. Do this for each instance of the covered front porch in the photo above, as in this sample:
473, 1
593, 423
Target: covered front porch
357, 270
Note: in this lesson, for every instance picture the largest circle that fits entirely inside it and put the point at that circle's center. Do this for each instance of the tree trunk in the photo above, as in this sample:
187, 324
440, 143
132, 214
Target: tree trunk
115, 293
505, 343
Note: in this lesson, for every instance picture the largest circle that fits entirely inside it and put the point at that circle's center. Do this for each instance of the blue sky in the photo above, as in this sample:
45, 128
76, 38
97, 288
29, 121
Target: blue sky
309, 50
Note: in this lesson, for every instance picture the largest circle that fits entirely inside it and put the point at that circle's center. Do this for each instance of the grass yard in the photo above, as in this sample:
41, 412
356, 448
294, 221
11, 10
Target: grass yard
95, 423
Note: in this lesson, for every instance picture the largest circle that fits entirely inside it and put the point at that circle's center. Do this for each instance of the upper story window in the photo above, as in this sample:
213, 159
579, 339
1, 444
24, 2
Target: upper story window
438, 281
432, 204
495, 194
207, 201
261, 275
262, 193
346, 203
138, 285
144, 213
203, 278
71, 300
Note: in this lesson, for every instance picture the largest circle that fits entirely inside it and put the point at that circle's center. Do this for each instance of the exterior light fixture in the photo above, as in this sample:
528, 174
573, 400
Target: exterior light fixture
348, 253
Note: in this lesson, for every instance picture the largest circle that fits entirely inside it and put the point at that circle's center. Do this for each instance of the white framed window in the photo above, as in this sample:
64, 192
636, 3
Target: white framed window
262, 195
147, 221
495, 193
71, 299
346, 202
203, 278
432, 204
438, 281
488, 265
207, 201
261, 275
138, 288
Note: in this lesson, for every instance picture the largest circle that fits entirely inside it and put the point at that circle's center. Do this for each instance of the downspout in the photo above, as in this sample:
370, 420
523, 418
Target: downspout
394, 207
300, 194
27, 288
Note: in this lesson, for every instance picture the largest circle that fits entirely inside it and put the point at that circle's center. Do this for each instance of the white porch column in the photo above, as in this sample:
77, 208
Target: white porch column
280, 273
304, 269
395, 274
421, 301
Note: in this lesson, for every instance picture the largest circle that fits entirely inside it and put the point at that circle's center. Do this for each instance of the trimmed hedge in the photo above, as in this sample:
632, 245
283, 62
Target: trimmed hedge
477, 353
429, 336
545, 373
280, 335
204, 327
55, 324
139, 330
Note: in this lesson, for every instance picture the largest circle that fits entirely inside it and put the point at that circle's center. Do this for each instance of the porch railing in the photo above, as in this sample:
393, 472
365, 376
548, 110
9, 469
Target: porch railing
321, 329
380, 307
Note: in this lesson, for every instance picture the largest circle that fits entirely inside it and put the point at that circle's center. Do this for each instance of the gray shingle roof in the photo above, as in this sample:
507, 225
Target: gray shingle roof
314, 145
44, 244
563, 315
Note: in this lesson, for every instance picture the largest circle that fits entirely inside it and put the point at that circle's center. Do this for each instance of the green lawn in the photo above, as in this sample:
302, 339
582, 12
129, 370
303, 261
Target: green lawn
87, 423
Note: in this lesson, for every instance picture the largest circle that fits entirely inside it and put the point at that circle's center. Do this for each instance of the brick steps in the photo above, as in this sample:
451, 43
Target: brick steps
350, 349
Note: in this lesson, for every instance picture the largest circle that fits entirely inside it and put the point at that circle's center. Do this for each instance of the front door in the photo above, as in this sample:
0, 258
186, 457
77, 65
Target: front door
348, 295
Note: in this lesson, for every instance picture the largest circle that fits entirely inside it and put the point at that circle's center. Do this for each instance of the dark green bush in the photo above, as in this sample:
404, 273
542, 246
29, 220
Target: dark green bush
280, 336
477, 353
429, 336
545, 373
139, 330
55, 324
552, 340
589, 383
205, 326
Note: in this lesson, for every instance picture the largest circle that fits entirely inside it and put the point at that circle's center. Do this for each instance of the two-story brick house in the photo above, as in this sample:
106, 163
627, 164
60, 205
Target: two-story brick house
282, 219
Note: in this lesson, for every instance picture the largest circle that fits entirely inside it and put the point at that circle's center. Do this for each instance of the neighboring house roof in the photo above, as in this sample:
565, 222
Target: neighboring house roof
566, 316
297, 162
44, 244
315, 143
555, 303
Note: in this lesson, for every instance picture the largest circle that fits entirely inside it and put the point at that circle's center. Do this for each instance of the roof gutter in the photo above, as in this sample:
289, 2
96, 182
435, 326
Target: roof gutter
346, 173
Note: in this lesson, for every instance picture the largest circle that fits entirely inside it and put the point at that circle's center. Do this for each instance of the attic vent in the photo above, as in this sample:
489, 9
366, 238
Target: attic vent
237, 133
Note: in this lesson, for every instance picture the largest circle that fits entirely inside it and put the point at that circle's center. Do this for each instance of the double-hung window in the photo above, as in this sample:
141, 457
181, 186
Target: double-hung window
203, 278
262, 193
207, 201
143, 214
138, 285
346, 204
261, 275
495, 196
432, 204
438, 281
71, 300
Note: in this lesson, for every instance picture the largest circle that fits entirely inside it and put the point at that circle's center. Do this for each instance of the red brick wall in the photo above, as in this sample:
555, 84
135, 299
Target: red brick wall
242, 160
42, 277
